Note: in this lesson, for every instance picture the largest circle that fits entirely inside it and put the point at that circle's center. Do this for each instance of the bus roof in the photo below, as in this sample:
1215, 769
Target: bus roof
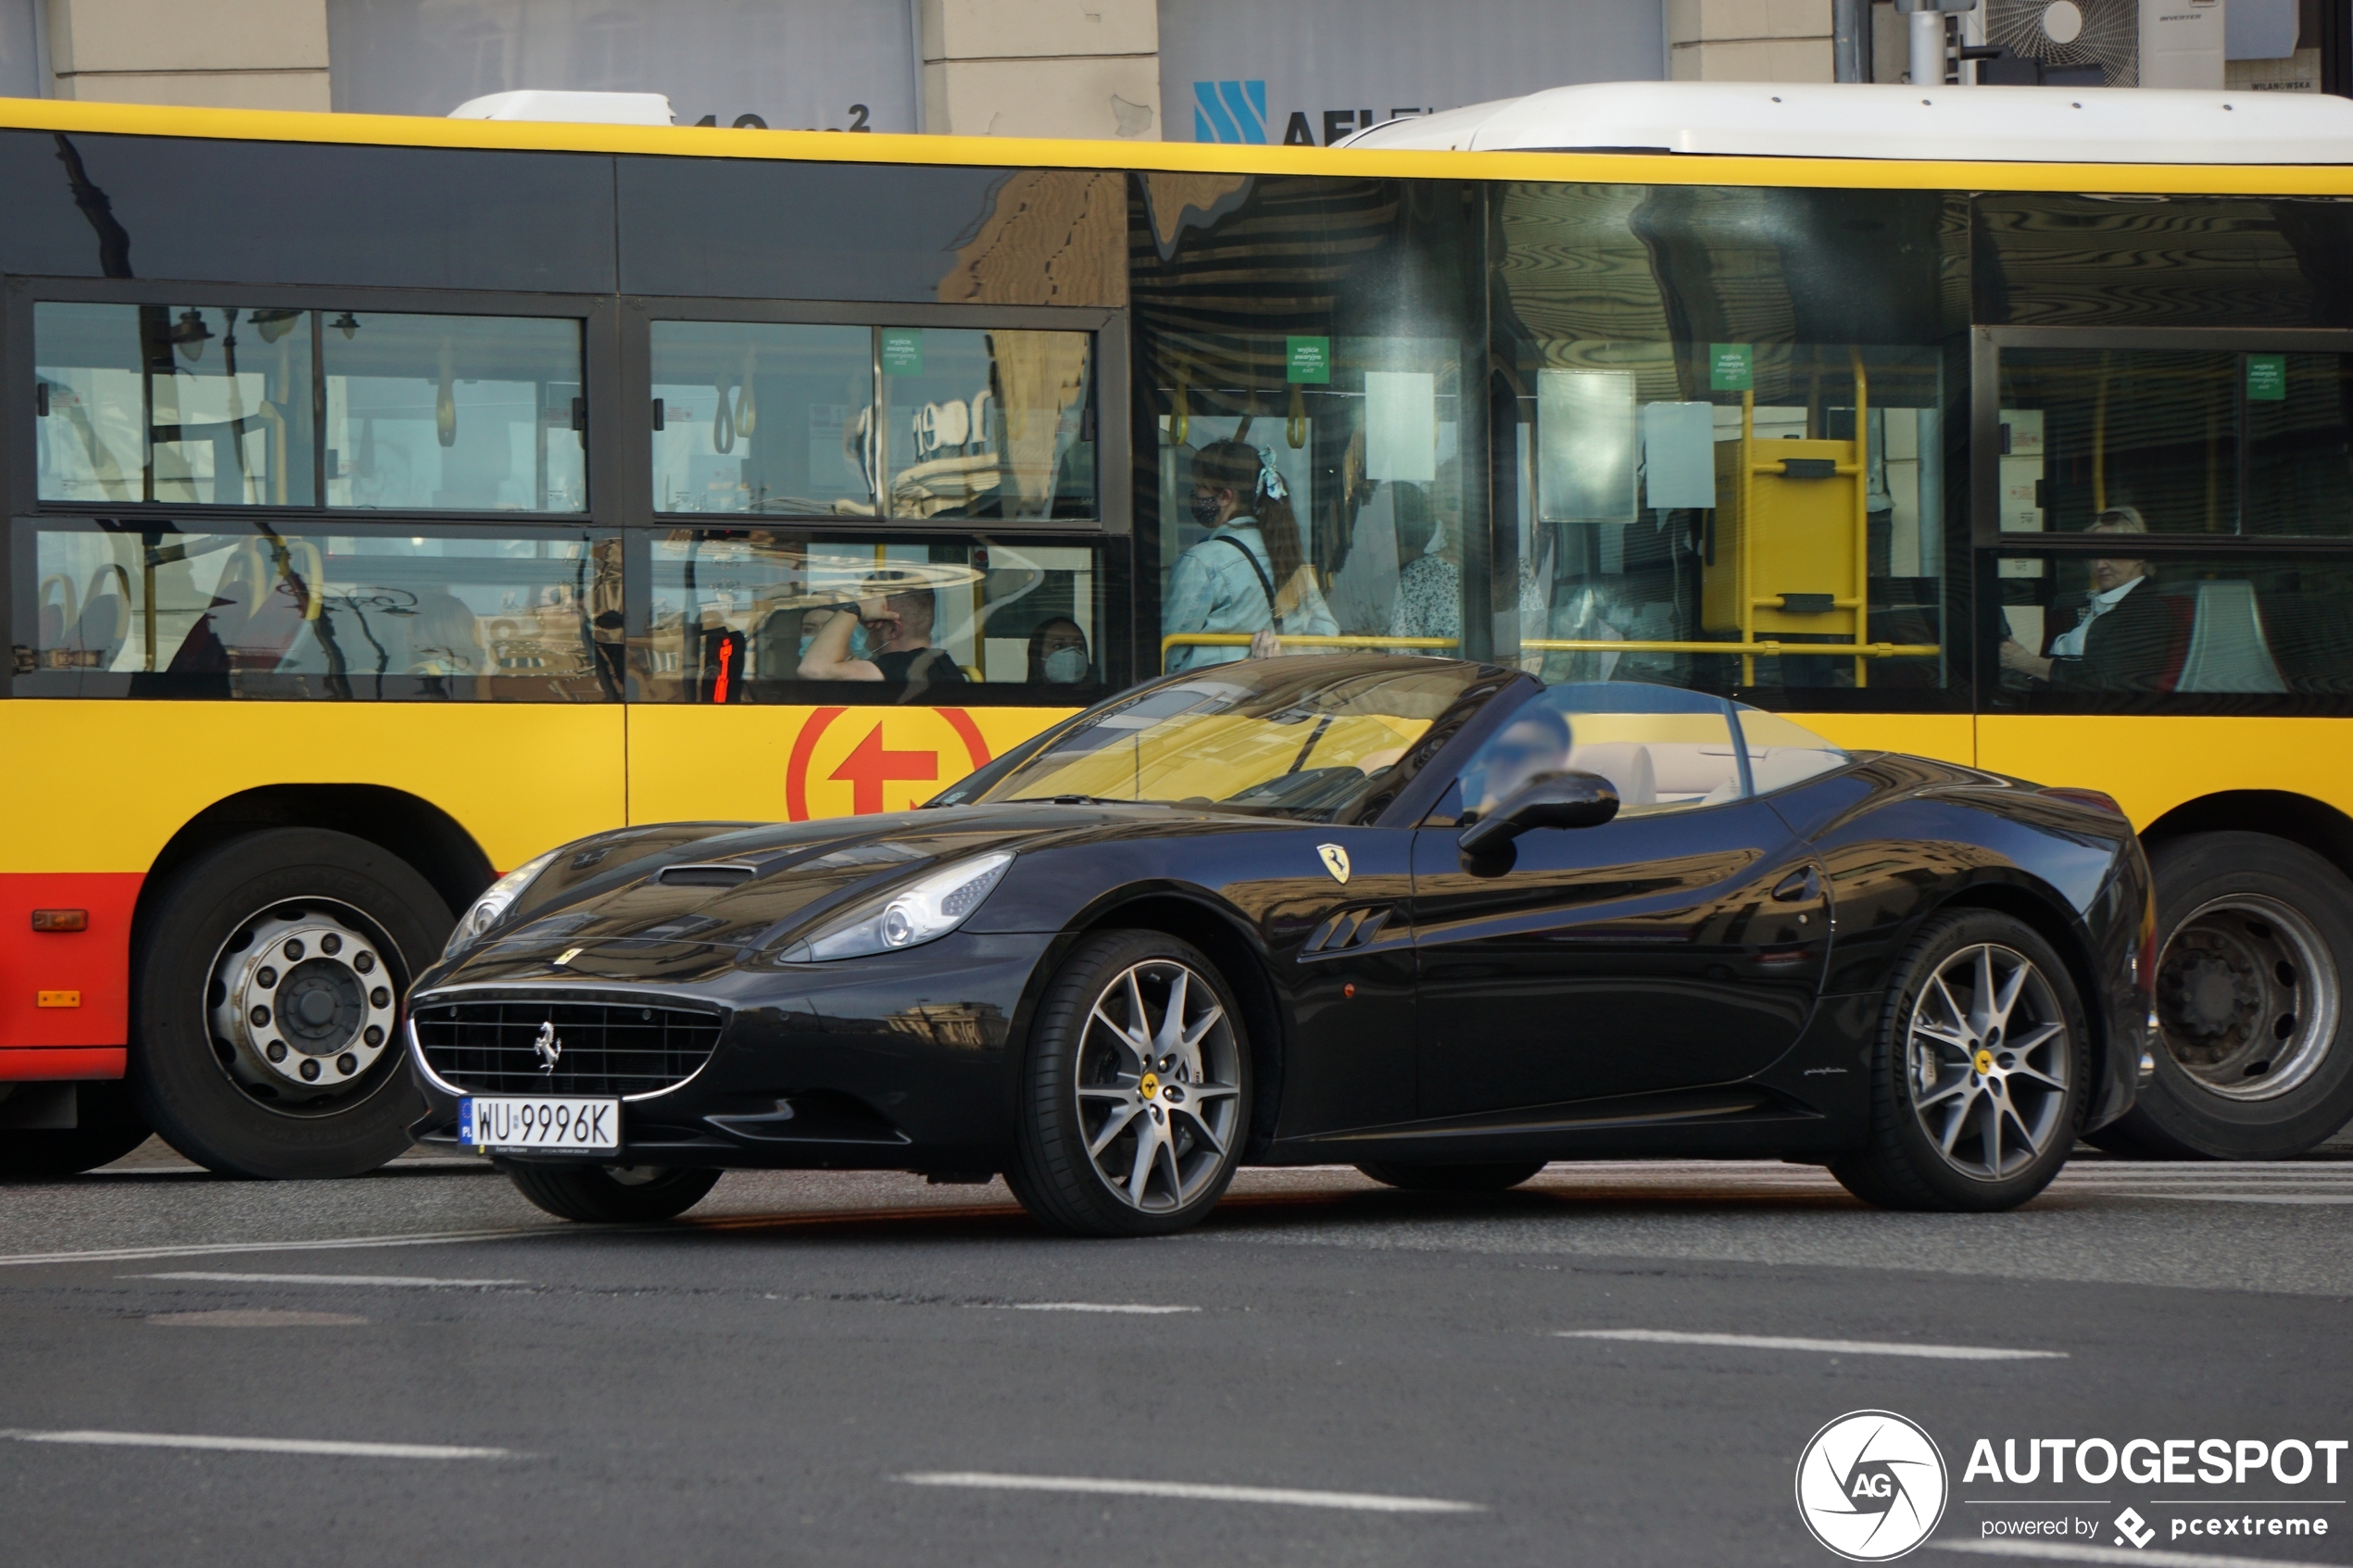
1385, 152
1976, 124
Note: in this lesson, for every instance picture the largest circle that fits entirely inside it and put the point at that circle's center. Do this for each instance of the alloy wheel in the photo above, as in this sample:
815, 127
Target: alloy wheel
1158, 1085
1987, 1059
2247, 996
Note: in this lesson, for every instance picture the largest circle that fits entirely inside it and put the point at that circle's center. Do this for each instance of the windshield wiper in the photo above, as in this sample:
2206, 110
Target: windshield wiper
1076, 800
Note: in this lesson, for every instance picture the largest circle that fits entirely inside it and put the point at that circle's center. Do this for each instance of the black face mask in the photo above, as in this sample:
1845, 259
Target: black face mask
1205, 509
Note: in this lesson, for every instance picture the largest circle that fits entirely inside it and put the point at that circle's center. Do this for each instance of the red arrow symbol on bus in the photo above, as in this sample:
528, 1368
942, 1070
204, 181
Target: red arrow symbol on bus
868, 767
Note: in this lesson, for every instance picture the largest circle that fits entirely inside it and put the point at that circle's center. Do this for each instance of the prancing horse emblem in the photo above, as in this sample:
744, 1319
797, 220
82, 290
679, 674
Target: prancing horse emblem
1335, 860
547, 1047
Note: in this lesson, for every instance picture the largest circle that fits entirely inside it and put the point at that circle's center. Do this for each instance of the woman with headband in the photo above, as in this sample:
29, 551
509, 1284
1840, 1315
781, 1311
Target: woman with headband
1250, 574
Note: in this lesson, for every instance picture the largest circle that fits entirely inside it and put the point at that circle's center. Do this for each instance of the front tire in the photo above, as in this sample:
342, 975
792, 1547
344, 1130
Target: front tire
2253, 1061
266, 992
1980, 1075
1135, 1097
608, 1195
106, 1126
1453, 1178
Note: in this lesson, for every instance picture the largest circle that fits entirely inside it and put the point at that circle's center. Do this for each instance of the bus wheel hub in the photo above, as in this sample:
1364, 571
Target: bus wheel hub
2247, 999
302, 1003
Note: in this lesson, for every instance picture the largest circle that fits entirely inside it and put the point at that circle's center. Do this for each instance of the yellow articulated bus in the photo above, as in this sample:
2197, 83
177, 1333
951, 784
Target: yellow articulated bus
391, 499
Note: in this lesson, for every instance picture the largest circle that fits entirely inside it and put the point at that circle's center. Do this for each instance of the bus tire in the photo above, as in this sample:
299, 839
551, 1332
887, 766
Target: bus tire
332, 928
2255, 1047
106, 1126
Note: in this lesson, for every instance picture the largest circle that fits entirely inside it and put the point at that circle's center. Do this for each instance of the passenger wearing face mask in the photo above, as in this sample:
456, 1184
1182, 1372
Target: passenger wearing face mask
1058, 653
1250, 574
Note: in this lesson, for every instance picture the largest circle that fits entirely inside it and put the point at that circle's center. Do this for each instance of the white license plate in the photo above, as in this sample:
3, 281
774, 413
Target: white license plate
515, 1123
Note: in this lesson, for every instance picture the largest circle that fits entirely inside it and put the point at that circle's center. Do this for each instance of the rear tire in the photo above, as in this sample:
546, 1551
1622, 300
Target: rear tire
606, 1194
2255, 1048
107, 1127
1134, 1098
1453, 1178
1981, 1074
316, 905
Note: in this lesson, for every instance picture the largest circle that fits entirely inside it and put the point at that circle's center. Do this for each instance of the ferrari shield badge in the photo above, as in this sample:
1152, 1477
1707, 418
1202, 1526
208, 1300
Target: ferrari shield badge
1335, 860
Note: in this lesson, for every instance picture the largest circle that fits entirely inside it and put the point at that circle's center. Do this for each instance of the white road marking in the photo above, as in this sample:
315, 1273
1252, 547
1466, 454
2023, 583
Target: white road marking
1085, 1307
215, 1248
1827, 1346
258, 1445
253, 1317
2246, 1196
1370, 1502
407, 1281
2055, 1551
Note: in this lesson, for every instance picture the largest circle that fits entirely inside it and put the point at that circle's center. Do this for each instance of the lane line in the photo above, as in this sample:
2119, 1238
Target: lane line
256, 1317
409, 1281
1827, 1346
258, 1445
2055, 1551
1083, 1307
216, 1249
2248, 1198
1370, 1502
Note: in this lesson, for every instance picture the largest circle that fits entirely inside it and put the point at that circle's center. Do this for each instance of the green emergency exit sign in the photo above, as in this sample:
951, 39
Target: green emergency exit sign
2267, 378
903, 351
1732, 367
1307, 360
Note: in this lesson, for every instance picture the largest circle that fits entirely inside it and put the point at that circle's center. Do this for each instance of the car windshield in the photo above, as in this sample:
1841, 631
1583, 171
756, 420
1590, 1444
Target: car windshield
1315, 738
1662, 748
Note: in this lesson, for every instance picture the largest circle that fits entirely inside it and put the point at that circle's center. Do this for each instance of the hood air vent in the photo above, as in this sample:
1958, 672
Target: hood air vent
709, 874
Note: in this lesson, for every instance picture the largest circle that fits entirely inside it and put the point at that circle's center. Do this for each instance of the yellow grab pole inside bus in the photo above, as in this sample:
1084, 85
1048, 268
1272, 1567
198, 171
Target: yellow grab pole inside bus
1769, 645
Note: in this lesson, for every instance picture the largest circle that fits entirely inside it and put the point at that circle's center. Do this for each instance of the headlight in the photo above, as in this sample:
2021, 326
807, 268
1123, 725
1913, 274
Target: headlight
919, 912
488, 910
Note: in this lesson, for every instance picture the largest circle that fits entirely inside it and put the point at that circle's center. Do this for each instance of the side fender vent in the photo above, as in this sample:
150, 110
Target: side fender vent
1350, 928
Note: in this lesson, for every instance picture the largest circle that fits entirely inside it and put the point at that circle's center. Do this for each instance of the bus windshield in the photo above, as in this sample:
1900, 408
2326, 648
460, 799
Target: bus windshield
1314, 739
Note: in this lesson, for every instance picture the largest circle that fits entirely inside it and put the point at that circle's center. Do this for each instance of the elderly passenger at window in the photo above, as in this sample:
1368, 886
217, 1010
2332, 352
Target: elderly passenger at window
2119, 637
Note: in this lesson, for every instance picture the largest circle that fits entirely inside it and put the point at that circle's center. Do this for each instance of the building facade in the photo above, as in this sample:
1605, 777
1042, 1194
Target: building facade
1236, 70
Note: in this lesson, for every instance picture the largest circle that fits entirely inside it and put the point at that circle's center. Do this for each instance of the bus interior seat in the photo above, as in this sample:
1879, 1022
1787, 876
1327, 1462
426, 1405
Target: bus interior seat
105, 625
2227, 649
1625, 764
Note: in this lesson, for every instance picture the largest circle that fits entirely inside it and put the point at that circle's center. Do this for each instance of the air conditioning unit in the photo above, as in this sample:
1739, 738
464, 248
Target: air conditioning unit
2104, 43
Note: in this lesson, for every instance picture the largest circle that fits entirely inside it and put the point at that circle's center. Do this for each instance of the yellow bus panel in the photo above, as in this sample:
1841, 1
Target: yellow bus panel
792, 763
121, 777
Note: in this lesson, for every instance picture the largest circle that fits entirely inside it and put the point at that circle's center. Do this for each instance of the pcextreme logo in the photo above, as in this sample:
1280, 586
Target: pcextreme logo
1871, 1485
877, 760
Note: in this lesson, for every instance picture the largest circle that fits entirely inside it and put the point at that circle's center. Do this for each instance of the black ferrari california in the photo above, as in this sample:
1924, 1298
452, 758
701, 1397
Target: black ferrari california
1429, 918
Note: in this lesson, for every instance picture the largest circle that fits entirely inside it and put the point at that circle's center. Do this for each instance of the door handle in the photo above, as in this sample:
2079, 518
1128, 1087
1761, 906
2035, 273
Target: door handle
1799, 885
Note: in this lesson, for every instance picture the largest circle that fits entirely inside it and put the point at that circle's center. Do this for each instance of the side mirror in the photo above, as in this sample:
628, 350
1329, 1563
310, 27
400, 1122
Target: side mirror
1548, 800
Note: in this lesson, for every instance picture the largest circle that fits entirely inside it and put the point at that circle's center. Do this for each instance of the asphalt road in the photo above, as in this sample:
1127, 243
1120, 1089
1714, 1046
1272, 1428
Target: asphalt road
757, 1383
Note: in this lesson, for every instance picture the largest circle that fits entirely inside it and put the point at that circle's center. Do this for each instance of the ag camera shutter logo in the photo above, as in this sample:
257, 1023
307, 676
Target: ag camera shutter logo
1871, 1485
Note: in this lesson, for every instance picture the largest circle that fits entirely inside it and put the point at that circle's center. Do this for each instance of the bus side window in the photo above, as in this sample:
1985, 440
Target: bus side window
839, 618
364, 614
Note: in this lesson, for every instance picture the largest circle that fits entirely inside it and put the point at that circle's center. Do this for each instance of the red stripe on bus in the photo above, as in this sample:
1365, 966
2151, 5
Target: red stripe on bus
961, 723
91, 965
804, 747
19, 1065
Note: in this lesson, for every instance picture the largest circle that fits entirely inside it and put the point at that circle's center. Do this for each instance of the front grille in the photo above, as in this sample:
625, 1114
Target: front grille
490, 1047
